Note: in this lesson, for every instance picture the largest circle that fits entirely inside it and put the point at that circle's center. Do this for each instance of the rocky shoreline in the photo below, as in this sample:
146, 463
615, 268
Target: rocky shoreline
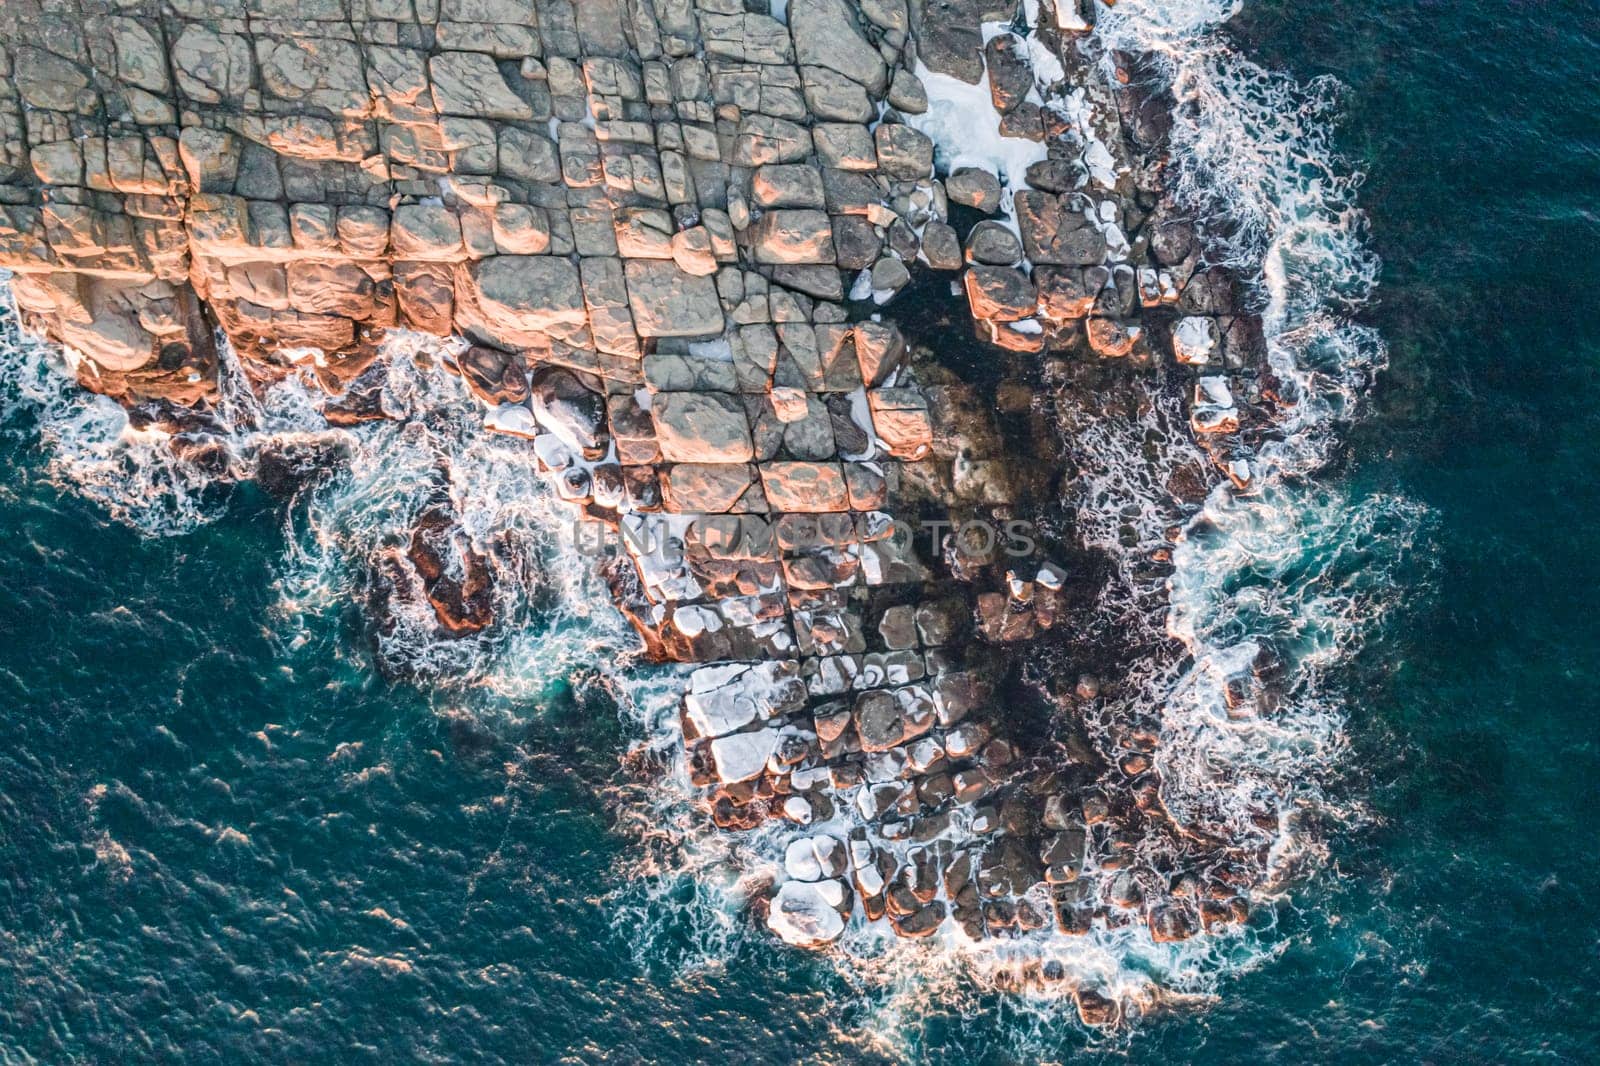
699, 253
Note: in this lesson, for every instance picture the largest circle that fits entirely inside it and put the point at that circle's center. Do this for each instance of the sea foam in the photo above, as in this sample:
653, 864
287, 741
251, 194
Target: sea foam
1286, 570
1276, 586
1273, 587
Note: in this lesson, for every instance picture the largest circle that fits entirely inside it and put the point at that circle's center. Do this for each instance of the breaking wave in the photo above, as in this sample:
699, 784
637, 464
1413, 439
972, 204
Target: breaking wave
552, 613
354, 495
1270, 592
92, 446
1272, 589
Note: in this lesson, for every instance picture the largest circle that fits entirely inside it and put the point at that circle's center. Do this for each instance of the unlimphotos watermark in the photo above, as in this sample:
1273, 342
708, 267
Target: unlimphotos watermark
1013, 539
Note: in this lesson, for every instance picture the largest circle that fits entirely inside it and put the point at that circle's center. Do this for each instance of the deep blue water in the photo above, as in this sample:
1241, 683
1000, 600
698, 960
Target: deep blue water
218, 844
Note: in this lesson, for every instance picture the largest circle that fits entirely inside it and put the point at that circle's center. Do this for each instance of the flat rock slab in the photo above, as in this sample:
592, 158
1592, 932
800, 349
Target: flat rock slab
669, 302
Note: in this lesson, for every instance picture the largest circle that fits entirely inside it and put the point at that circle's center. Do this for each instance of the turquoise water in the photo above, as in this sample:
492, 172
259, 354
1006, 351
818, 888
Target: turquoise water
224, 834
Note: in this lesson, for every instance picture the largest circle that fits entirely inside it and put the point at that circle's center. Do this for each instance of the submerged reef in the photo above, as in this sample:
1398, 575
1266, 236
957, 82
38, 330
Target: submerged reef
839, 315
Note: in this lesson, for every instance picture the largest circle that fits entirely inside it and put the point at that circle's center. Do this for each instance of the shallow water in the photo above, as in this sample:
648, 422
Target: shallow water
223, 834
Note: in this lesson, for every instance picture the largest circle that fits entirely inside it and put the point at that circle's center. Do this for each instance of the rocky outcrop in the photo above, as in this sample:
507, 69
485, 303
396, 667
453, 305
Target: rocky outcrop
646, 218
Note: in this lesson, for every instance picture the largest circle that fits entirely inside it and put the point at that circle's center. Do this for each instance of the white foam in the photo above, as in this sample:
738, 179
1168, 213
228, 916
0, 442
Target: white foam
1267, 571
1285, 576
135, 474
964, 126
805, 914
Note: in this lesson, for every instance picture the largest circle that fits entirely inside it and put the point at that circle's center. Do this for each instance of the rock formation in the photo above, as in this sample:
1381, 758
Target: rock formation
666, 228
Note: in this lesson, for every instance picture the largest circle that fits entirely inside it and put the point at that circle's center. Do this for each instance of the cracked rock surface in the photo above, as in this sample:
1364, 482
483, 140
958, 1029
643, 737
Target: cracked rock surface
673, 233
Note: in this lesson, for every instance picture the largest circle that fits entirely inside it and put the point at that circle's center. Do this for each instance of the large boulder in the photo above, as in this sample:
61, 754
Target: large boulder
522, 298
830, 95
494, 376
455, 576
1194, 339
701, 427
797, 236
210, 67
527, 156
974, 187
747, 37
826, 35
565, 407
742, 756
994, 244
1052, 233
903, 152
426, 231
666, 301
787, 185
815, 858
107, 327
941, 247
1010, 76
804, 487
809, 914
468, 83
878, 720
949, 36
708, 488
900, 420
764, 139
1003, 294
1063, 292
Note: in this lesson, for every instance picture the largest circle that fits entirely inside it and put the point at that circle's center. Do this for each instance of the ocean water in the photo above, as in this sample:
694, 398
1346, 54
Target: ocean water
227, 833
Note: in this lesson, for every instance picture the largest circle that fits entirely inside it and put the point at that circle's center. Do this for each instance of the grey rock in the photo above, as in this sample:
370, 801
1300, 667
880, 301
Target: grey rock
823, 282
701, 427
1055, 235
974, 187
494, 376
562, 405
880, 349
1000, 293
848, 192
826, 35
1063, 294
667, 302
994, 244
834, 97
889, 14
764, 139
787, 185
941, 247
948, 37
1052, 175
856, 242
903, 152
210, 67
528, 156
889, 275
793, 236
810, 437
878, 720
1209, 292
1025, 121
845, 146
903, 239
848, 436
1171, 242
746, 36
1010, 77
898, 628
906, 93
469, 83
